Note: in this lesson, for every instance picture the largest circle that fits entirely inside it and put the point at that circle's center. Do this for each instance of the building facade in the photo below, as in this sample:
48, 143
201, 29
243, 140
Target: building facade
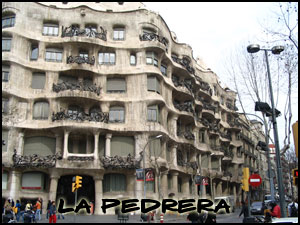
87, 88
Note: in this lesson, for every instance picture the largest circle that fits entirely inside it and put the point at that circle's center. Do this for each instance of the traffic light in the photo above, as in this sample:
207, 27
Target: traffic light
74, 187
78, 181
295, 176
245, 182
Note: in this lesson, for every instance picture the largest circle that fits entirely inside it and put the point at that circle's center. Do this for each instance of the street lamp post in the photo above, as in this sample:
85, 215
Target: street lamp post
275, 50
156, 137
272, 192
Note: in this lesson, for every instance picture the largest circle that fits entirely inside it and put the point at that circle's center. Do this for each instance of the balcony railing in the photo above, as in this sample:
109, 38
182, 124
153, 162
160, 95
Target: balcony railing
80, 60
153, 36
81, 116
205, 87
186, 106
88, 32
82, 86
185, 62
35, 161
118, 162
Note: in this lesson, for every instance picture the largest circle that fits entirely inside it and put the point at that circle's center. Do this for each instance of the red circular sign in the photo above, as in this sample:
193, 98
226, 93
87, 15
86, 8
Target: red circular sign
254, 180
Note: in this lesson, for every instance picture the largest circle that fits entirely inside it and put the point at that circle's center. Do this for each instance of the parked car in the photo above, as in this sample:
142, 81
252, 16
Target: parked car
255, 208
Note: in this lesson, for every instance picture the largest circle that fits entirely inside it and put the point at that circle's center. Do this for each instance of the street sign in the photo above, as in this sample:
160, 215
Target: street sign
255, 180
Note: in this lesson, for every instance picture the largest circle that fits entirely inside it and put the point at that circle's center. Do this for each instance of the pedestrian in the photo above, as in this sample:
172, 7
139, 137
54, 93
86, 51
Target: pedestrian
193, 217
244, 211
48, 209
263, 208
211, 218
52, 213
275, 211
38, 209
92, 208
22, 210
28, 207
7, 207
293, 208
18, 211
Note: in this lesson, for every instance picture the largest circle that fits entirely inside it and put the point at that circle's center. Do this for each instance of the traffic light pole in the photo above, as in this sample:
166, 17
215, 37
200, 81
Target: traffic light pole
75, 205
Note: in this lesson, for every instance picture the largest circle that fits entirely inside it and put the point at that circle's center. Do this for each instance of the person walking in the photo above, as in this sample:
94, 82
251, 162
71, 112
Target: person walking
293, 208
275, 211
22, 210
48, 209
18, 206
52, 218
38, 209
244, 211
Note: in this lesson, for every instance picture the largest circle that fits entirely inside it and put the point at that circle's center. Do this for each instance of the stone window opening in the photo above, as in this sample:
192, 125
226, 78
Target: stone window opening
8, 20
133, 59
107, 58
153, 84
53, 55
6, 44
116, 85
117, 114
163, 69
118, 33
38, 80
153, 114
50, 29
5, 73
151, 59
41, 110
5, 107
34, 52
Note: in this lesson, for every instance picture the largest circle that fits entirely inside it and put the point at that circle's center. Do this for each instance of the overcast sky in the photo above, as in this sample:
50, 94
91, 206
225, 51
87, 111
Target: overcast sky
213, 29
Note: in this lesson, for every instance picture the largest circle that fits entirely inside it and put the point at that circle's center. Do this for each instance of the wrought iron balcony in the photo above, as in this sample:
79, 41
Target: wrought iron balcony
82, 86
35, 161
154, 37
81, 116
118, 162
88, 32
80, 60
186, 106
205, 87
185, 62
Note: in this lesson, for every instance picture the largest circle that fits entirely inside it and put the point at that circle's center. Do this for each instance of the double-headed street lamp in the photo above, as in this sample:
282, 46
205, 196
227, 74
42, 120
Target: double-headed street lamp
275, 50
156, 137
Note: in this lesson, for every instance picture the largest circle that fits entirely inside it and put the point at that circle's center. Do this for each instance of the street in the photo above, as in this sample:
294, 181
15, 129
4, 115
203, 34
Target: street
221, 218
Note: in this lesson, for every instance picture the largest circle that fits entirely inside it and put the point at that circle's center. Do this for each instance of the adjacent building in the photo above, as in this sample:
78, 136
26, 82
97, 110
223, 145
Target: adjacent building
86, 90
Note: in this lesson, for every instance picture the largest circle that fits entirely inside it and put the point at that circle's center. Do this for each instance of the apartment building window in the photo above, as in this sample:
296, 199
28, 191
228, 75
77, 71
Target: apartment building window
151, 58
6, 43
153, 113
163, 69
155, 147
83, 54
40, 145
169, 181
5, 73
41, 110
116, 85
202, 136
38, 80
114, 182
153, 84
53, 55
5, 105
122, 146
74, 110
34, 52
4, 140
133, 59
8, 20
117, 114
179, 184
119, 34
107, 58
50, 29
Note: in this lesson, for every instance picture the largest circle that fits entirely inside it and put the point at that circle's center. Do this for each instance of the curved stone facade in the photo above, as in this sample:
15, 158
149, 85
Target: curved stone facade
100, 80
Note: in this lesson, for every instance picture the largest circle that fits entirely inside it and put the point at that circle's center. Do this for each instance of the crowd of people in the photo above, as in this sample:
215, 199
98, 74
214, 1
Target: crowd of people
29, 212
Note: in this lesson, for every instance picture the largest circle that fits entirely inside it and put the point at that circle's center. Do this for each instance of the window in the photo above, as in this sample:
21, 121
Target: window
40, 145
8, 21
38, 81
202, 136
5, 73
50, 29
119, 33
155, 147
153, 113
4, 140
115, 85
163, 69
90, 29
83, 54
53, 55
73, 111
151, 58
132, 60
107, 58
4, 179
179, 186
4, 105
33, 181
170, 184
114, 182
41, 110
117, 114
153, 84
6, 43
34, 52
122, 146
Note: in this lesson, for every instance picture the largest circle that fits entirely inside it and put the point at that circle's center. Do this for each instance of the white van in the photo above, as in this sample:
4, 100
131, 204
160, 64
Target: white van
229, 200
